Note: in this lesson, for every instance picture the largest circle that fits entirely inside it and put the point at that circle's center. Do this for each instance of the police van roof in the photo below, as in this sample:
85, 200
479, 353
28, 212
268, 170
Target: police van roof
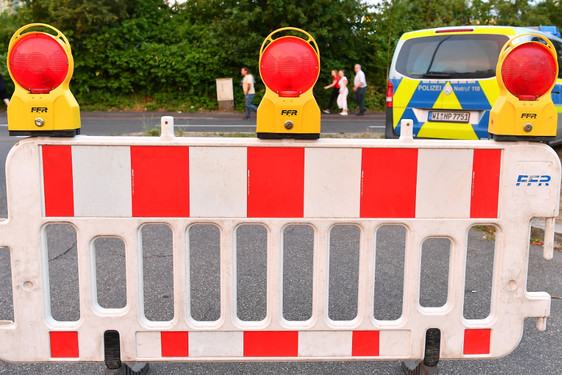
549, 31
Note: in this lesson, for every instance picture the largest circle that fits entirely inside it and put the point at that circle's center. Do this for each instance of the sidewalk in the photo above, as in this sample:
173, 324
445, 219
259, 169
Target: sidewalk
537, 230
212, 115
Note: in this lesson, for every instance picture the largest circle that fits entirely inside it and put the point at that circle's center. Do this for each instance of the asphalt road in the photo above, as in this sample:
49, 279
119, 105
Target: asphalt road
119, 123
538, 352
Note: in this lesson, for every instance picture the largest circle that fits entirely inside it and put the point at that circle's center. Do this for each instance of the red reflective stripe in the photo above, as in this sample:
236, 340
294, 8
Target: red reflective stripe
453, 31
160, 181
477, 341
271, 344
388, 183
58, 187
365, 343
275, 182
174, 344
64, 344
485, 183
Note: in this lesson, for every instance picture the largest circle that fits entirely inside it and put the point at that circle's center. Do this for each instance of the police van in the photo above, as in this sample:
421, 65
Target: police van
444, 79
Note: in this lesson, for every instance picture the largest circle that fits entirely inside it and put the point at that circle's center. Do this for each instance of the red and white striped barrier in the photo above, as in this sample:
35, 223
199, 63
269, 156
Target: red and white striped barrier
271, 181
111, 186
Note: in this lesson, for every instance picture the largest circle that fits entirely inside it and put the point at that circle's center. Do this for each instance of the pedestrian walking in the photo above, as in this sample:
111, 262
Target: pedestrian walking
249, 92
360, 86
342, 97
335, 90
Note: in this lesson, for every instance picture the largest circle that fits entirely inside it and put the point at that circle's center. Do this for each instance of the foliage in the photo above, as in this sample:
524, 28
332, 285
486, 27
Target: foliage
150, 55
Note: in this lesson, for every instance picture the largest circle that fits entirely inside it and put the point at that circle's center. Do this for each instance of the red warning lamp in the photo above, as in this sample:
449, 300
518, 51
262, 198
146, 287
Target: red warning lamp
38, 63
529, 71
289, 67
41, 66
526, 73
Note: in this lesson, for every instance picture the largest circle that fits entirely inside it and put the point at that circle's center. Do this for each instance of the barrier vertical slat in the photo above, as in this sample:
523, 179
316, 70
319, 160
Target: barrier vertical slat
135, 298
366, 285
457, 268
86, 285
228, 274
456, 290
411, 297
274, 276
512, 271
320, 273
30, 286
180, 266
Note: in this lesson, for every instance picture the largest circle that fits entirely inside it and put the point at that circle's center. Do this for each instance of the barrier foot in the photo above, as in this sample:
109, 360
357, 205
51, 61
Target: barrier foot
112, 353
418, 368
431, 357
124, 369
432, 347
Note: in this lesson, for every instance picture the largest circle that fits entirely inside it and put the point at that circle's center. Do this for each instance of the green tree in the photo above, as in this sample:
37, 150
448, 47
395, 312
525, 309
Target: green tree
239, 28
550, 11
153, 55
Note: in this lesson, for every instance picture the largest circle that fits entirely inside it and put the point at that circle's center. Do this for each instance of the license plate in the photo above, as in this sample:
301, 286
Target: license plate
448, 116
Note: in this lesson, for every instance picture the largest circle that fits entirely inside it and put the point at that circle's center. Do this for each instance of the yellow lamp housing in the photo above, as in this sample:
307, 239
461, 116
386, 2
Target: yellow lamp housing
41, 66
526, 73
289, 67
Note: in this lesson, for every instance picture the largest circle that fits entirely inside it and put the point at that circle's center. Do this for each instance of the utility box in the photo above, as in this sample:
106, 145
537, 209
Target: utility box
225, 94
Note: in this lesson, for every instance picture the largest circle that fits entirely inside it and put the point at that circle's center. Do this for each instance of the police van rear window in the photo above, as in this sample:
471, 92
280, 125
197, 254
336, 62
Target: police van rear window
451, 56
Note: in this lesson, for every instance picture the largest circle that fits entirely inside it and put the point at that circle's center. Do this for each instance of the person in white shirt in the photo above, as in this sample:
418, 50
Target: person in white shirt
342, 96
249, 91
360, 86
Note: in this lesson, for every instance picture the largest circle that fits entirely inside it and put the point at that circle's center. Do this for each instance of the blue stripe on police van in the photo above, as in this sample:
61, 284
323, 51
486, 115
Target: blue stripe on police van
471, 96
426, 95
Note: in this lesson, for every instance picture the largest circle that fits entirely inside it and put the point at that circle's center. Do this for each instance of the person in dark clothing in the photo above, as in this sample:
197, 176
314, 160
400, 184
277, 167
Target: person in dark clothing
335, 91
360, 86
3, 93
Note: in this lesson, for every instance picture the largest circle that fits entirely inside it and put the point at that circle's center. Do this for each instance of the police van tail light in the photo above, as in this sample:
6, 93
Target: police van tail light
389, 94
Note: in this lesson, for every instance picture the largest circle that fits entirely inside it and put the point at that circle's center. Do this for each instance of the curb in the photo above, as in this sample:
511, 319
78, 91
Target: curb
537, 230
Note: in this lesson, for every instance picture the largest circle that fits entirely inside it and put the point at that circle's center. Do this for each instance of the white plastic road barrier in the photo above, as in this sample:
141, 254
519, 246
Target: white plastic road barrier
112, 186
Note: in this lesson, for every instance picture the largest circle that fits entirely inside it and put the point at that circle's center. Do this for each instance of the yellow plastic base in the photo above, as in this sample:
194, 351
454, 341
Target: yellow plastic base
511, 117
56, 112
288, 117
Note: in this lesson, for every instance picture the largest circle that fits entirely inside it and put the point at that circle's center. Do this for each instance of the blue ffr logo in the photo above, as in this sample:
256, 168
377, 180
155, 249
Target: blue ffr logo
538, 180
